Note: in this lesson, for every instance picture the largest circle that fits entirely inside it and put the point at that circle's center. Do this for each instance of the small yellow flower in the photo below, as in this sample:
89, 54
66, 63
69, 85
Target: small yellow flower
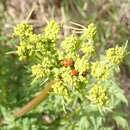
82, 64
67, 78
48, 62
90, 33
39, 71
115, 55
100, 70
52, 31
70, 43
23, 30
99, 95
88, 49
61, 90
22, 51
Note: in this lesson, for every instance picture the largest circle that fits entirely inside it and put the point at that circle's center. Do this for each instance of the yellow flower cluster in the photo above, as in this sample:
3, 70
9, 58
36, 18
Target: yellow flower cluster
82, 64
23, 30
61, 90
99, 95
100, 70
90, 33
52, 31
116, 55
39, 71
34, 38
72, 64
72, 81
24, 50
70, 44
31, 43
88, 49
67, 77
48, 62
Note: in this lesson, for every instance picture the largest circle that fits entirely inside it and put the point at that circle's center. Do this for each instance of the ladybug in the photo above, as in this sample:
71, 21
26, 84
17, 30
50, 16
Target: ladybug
68, 62
74, 72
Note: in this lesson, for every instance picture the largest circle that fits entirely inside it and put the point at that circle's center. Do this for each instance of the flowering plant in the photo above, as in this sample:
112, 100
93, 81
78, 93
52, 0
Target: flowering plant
85, 94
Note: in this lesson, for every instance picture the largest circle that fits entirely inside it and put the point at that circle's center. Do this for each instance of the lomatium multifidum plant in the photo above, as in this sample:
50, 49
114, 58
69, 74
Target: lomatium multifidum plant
86, 94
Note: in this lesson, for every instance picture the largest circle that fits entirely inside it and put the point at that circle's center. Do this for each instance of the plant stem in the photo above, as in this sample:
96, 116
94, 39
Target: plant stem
34, 102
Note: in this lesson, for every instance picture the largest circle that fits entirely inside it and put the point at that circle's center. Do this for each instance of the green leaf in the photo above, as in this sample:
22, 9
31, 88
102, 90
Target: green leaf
122, 122
26, 124
2, 38
84, 123
97, 121
118, 93
106, 128
8, 117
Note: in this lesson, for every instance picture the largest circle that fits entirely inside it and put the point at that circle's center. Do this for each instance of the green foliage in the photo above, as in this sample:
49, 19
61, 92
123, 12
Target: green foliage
10, 80
121, 121
80, 112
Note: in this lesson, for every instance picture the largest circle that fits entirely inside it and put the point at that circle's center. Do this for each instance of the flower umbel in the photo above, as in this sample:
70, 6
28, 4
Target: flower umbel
100, 70
39, 71
23, 30
52, 31
82, 64
61, 90
88, 49
99, 95
89, 33
116, 55
70, 43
